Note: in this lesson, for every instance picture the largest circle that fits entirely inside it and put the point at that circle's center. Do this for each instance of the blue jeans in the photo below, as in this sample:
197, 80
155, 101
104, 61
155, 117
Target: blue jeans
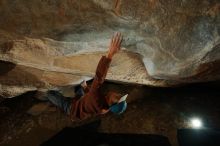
62, 102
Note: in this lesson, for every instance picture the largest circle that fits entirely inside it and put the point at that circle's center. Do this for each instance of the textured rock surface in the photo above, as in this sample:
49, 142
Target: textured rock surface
165, 42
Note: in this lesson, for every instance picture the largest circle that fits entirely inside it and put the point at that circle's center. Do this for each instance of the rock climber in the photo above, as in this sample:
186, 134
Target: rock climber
89, 101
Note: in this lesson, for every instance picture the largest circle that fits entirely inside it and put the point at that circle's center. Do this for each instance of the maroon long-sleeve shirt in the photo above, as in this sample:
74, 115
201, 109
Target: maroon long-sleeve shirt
92, 103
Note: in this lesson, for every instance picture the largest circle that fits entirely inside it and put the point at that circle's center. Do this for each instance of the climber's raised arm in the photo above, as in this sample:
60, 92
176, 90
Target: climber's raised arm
105, 61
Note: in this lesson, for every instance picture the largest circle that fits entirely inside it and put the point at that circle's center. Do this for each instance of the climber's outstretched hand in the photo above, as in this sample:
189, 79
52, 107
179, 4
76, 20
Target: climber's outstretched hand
115, 44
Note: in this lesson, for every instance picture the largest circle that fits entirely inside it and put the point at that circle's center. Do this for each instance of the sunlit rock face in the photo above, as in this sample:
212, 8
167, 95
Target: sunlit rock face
50, 43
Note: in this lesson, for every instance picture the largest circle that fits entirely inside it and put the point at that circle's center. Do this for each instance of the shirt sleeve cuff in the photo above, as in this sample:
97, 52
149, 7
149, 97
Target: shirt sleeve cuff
106, 59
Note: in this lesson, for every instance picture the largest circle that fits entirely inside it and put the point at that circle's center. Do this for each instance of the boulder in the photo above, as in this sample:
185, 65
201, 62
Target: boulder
47, 43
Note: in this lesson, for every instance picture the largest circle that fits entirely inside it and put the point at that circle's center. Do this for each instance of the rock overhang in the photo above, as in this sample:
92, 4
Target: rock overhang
60, 42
